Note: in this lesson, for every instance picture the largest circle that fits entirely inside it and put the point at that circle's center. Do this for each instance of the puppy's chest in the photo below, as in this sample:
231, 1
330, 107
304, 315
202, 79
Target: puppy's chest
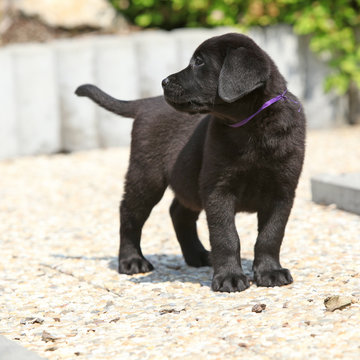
251, 184
261, 151
251, 155
253, 174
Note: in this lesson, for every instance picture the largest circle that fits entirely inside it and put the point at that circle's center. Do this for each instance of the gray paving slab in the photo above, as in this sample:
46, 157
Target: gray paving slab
36, 99
157, 58
75, 66
10, 350
342, 190
120, 50
8, 125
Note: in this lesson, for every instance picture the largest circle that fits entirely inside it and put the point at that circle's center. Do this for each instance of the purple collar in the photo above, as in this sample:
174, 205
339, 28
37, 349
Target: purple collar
264, 106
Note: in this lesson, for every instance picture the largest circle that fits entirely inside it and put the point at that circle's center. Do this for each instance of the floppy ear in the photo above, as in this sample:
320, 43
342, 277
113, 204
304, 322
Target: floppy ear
242, 72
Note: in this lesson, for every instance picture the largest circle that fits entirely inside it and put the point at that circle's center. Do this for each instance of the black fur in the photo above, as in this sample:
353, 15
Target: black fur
211, 166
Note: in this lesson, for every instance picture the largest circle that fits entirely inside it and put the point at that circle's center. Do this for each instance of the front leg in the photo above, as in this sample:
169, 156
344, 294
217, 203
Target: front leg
225, 244
272, 220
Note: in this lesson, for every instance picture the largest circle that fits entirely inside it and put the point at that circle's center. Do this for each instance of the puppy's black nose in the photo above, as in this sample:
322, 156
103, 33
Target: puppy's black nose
165, 82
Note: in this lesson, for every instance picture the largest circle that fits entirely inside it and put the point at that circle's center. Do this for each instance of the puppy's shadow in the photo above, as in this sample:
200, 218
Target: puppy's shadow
167, 268
172, 268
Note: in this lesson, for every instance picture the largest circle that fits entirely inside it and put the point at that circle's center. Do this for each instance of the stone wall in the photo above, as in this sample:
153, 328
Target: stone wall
39, 113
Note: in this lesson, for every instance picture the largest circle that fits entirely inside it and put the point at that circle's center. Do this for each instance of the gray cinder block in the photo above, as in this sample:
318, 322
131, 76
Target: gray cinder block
322, 109
75, 66
40, 113
282, 45
157, 58
342, 190
187, 42
8, 125
258, 34
10, 350
117, 74
36, 100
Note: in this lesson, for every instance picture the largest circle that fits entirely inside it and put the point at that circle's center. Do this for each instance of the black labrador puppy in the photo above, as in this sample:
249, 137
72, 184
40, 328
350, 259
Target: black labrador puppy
246, 154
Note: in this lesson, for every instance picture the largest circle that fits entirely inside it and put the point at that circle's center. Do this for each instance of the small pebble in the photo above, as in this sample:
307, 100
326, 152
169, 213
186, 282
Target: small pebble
46, 336
31, 320
258, 308
170, 311
337, 302
52, 348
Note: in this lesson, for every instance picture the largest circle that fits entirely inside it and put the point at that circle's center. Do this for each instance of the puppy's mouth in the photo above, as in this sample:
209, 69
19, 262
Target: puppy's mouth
189, 106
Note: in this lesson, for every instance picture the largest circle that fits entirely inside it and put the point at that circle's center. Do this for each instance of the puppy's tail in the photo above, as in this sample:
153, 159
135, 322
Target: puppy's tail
120, 107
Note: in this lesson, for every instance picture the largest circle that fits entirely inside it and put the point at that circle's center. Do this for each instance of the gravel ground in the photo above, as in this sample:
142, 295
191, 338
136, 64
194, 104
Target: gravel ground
62, 297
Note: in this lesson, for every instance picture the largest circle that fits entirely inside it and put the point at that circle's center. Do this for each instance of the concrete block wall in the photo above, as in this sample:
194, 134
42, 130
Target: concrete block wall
39, 113
75, 65
8, 126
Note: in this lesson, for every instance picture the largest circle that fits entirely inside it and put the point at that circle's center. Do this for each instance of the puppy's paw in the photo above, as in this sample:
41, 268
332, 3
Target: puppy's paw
273, 278
134, 265
198, 259
230, 282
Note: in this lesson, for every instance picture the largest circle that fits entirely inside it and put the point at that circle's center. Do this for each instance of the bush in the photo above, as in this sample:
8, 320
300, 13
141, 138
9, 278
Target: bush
180, 13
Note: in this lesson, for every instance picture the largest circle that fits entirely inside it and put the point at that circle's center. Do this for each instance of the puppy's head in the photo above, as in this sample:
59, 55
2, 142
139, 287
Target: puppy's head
222, 70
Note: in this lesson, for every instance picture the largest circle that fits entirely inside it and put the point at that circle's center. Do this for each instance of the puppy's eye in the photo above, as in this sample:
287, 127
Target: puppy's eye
198, 62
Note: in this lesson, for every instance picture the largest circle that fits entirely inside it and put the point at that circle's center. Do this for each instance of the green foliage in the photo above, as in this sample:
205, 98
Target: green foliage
334, 25
179, 13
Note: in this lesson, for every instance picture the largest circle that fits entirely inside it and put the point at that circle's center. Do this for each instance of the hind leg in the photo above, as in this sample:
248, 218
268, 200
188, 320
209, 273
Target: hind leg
184, 221
143, 190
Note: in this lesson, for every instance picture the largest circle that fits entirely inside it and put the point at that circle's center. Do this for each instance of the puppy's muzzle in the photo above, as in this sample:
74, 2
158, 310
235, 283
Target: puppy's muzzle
172, 90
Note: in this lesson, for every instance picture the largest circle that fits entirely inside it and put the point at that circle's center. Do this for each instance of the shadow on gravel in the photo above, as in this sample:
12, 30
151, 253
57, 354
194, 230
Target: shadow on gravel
82, 257
167, 267
172, 268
